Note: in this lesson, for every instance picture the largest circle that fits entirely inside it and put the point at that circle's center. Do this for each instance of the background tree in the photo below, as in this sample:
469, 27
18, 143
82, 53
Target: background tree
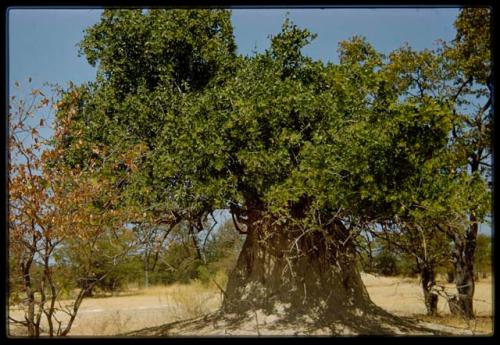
423, 248
454, 191
177, 259
482, 256
152, 238
222, 249
470, 57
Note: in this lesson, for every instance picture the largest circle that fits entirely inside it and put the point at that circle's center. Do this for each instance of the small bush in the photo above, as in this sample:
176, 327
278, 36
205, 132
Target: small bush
203, 274
386, 264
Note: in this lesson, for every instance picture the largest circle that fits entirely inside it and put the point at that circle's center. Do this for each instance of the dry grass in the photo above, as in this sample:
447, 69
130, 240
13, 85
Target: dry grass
143, 308
482, 325
187, 301
116, 322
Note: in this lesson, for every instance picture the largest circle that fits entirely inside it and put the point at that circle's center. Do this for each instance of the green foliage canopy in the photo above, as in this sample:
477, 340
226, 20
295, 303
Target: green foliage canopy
276, 131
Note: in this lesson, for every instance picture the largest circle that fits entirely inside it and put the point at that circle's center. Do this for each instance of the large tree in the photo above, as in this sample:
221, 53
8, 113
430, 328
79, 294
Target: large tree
299, 151
453, 193
470, 67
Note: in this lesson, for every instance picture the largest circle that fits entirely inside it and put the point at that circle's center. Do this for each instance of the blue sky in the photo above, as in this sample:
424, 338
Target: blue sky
43, 42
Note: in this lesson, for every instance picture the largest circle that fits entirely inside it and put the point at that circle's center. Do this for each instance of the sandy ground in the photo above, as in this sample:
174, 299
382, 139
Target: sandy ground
160, 305
138, 309
403, 296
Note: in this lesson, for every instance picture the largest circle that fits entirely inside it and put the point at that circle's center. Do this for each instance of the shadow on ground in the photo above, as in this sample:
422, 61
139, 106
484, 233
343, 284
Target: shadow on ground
374, 321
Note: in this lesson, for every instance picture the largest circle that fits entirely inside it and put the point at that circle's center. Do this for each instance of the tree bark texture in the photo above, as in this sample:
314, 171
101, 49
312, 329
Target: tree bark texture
302, 271
428, 281
463, 261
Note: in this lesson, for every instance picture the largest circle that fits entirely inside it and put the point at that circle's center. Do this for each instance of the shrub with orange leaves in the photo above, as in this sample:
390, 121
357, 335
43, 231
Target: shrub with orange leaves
57, 213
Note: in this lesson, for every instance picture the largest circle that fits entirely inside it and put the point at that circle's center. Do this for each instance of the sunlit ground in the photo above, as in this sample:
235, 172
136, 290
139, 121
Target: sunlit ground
142, 308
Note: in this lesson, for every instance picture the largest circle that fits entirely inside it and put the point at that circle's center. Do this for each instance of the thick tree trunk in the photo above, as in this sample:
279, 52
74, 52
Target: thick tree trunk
428, 281
146, 271
282, 267
463, 260
450, 276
